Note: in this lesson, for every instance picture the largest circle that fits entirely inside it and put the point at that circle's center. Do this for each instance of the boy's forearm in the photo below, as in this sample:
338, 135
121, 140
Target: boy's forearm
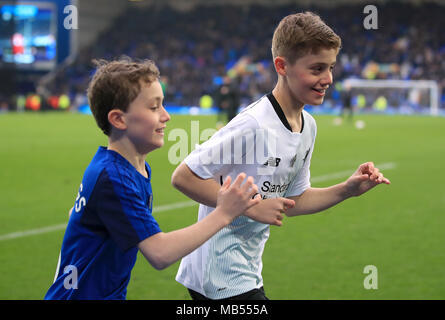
314, 200
164, 249
204, 191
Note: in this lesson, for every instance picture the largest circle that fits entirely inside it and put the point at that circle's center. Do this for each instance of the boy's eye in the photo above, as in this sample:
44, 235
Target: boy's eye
321, 69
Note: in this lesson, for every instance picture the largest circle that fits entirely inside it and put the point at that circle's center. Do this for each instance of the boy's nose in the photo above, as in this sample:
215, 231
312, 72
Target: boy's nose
165, 116
327, 79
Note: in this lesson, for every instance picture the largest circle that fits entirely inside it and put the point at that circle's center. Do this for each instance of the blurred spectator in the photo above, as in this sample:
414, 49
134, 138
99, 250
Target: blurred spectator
227, 100
4, 107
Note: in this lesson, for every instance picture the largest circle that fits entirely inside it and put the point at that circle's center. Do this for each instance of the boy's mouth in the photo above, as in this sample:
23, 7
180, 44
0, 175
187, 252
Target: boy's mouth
319, 91
160, 130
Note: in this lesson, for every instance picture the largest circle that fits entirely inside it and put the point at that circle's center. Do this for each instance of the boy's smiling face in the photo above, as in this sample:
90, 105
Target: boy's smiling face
309, 76
146, 118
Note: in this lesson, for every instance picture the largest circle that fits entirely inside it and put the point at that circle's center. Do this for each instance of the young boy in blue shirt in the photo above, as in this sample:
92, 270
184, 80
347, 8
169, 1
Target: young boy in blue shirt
112, 216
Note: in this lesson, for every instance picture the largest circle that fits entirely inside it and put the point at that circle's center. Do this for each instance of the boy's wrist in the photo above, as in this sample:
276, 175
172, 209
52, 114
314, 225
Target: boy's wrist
224, 218
250, 212
345, 193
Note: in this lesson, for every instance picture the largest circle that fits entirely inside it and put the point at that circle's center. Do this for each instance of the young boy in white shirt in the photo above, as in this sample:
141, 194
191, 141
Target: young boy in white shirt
272, 140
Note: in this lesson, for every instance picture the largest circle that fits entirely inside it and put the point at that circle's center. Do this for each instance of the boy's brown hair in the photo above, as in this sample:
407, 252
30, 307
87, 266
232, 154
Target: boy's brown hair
116, 84
300, 34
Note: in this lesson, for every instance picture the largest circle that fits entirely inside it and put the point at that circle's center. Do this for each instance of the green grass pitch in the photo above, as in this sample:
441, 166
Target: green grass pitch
397, 228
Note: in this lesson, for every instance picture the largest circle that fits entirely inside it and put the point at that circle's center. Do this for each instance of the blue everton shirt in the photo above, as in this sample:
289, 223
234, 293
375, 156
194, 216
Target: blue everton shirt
111, 215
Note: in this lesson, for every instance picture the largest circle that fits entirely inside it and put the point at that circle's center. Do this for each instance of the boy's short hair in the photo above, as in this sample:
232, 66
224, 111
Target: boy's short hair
116, 84
300, 34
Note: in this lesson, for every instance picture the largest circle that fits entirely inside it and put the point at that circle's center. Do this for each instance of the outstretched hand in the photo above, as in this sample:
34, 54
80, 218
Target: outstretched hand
235, 199
365, 178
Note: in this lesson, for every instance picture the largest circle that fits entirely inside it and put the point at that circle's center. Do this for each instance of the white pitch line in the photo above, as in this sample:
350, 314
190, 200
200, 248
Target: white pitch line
184, 204
21, 234
346, 173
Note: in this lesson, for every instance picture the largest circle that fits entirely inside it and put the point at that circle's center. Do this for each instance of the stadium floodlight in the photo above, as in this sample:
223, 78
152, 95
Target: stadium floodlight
411, 85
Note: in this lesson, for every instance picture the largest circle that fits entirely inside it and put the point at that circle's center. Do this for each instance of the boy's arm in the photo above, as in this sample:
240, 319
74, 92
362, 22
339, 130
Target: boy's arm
318, 199
163, 249
201, 190
204, 191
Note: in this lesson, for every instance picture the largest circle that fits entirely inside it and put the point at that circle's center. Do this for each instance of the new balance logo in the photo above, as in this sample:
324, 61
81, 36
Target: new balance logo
272, 162
305, 157
292, 161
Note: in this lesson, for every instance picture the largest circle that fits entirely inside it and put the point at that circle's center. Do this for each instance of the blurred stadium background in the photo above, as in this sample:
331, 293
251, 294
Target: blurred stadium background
200, 45
211, 53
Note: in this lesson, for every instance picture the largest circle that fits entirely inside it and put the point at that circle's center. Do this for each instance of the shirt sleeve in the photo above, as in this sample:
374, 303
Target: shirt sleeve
122, 209
220, 150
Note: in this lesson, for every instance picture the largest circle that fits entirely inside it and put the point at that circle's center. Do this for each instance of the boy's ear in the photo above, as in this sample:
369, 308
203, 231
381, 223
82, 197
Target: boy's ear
280, 65
117, 119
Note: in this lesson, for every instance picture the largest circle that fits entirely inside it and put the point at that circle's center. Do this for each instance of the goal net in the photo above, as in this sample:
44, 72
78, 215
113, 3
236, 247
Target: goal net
393, 96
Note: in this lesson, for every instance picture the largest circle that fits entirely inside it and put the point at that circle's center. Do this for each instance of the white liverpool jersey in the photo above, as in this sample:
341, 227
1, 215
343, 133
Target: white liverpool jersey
259, 142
